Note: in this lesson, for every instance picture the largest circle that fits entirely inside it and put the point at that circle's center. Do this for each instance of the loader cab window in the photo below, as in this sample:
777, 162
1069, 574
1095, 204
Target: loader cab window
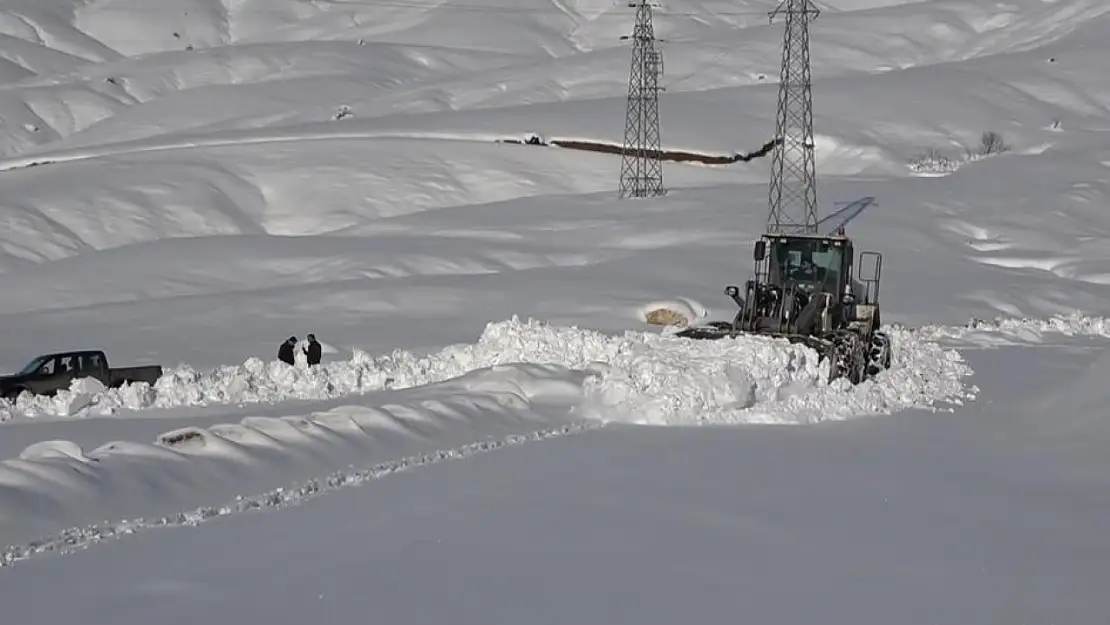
814, 263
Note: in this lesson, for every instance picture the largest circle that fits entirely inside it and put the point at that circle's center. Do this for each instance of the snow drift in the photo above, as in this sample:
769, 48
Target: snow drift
1010, 331
57, 484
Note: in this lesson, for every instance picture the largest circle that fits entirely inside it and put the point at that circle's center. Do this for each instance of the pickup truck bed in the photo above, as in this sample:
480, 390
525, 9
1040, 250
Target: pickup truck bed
144, 373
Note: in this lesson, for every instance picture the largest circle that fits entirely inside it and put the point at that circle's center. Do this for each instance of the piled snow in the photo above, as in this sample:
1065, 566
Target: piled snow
923, 374
638, 377
1010, 331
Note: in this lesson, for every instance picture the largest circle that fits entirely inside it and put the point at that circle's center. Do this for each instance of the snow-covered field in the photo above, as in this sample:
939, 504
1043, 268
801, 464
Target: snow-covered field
189, 183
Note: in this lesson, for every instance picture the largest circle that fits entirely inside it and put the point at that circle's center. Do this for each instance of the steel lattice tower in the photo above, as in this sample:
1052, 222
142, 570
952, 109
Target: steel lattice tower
793, 196
641, 169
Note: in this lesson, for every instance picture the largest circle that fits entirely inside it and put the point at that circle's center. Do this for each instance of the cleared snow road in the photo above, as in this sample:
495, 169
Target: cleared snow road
991, 515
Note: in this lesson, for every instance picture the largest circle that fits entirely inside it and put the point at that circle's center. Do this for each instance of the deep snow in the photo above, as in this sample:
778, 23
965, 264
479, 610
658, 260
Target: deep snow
591, 378
188, 184
912, 519
638, 378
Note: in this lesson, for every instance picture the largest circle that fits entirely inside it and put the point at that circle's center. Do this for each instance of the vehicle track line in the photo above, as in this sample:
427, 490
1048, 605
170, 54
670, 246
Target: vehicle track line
81, 538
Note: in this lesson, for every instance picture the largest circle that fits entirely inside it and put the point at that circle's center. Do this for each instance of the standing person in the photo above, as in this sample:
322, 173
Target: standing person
313, 351
285, 352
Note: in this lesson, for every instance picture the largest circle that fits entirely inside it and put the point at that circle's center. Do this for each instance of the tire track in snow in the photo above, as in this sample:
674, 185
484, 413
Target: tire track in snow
81, 538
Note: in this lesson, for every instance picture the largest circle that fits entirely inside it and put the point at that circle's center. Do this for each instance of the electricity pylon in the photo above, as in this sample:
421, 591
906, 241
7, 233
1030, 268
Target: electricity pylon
793, 193
641, 168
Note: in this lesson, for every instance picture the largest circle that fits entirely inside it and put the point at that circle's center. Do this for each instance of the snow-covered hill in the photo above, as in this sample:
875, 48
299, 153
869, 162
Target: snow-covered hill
191, 182
282, 213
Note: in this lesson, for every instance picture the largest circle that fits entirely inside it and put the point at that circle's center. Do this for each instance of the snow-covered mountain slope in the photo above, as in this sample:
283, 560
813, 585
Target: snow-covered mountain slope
280, 212
191, 182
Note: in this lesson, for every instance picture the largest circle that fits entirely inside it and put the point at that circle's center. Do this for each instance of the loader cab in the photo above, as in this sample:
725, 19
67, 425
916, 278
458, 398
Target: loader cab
811, 263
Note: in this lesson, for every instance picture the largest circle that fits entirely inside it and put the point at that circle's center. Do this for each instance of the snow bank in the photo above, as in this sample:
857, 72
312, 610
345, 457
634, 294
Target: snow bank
1010, 331
55, 485
639, 377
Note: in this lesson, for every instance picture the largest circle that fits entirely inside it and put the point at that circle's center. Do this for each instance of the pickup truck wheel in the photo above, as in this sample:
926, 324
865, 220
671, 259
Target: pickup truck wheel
13, 394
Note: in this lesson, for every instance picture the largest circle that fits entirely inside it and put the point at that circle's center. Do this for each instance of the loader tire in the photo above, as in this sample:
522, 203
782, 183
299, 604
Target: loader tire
848, 358
879, 354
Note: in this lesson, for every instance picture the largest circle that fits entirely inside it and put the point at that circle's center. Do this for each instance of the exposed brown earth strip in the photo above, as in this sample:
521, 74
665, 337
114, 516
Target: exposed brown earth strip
677, 156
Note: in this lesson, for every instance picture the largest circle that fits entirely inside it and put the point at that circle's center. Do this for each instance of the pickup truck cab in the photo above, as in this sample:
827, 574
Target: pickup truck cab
49, 373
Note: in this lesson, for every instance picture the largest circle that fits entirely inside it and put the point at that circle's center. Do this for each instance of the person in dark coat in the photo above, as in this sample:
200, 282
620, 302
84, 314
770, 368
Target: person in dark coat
313, 350
285, 352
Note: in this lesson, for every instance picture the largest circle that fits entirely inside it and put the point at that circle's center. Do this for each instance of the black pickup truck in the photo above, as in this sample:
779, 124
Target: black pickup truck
49, 373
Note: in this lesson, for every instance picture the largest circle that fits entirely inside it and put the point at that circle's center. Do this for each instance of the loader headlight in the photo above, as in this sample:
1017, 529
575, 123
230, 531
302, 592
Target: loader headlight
732, 291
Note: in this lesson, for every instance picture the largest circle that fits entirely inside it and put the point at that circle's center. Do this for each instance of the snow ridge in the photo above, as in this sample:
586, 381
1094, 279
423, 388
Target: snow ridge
638, 377
1007, 331
79, 538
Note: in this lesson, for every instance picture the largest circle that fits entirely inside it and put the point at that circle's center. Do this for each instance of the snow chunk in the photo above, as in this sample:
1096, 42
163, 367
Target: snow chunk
678, 312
